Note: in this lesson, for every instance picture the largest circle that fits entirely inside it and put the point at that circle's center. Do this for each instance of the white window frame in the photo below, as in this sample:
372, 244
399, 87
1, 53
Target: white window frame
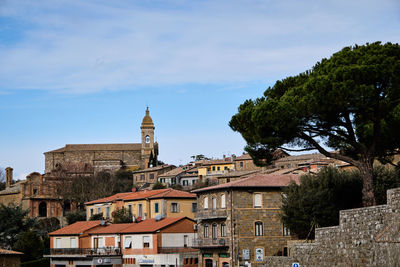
257, 200
223, 201
205, 202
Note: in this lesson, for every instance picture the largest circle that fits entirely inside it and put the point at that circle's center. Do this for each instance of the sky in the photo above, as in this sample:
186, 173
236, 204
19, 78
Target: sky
76, 72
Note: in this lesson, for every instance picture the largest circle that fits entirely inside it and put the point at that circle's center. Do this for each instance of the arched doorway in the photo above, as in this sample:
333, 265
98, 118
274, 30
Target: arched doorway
42, 209
209, 263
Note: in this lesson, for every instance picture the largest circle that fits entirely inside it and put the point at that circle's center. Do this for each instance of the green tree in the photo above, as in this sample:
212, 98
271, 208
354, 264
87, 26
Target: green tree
75, 216
44, 226
31, 245
318, 199
122, 216
96, 217
124, 181
385, 178
349, 103
158, 185
13, 223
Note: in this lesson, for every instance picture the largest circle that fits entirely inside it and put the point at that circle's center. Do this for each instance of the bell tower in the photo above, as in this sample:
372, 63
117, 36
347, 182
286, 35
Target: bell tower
147, 129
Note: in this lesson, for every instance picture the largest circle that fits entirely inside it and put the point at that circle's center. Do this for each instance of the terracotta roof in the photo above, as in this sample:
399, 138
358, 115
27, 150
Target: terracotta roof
110, 229
76, 228
217, 161
160, 193
109, 199
243, 157
238, 173
9, 252
156, 168
172, 172
151, 225
172, 193
301, 157
101, 147
256, 180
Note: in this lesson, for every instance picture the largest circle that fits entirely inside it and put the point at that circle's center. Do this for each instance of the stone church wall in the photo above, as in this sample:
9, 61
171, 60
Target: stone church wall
364, 237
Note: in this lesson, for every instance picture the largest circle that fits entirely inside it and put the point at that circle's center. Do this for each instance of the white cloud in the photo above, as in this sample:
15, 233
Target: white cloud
91, 46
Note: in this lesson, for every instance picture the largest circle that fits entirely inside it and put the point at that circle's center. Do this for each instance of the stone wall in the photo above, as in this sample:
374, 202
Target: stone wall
364, 237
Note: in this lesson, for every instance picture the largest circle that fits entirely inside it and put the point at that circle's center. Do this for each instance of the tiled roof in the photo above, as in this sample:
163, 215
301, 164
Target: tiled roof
160, 193
9, 252
151, 225
76, 228
102, 147
172, 193
109, 199
172, 172
237, 173
312, 156
13, 189
110, 229
243, 157
256, 180
217, 162
156, 168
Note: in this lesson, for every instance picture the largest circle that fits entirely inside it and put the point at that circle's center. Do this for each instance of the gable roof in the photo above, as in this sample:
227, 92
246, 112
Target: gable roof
156, 168
153, 194
151, 225
110, 229
256, 180
94, 147
76, 228
172, 172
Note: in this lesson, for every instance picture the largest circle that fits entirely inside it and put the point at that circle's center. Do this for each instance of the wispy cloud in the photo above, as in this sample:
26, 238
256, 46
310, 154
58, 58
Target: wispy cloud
89, 46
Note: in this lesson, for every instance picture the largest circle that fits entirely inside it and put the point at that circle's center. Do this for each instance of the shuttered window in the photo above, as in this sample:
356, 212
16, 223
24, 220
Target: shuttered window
223, 202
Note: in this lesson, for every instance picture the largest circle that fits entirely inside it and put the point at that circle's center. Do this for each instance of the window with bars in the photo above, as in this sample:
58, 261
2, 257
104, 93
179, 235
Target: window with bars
206, 231
223, 229
258, 229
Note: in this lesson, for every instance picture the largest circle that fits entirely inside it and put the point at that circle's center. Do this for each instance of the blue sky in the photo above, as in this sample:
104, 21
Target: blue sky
84, 71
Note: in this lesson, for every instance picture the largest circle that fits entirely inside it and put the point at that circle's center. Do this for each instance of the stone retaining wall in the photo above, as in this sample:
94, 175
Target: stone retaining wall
364, 237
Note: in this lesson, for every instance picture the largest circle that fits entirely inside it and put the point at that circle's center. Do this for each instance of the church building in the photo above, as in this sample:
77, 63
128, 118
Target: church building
78, 158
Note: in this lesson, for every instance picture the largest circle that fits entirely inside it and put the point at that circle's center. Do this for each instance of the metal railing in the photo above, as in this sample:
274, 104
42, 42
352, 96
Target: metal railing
211, 242
83, 251
211, 214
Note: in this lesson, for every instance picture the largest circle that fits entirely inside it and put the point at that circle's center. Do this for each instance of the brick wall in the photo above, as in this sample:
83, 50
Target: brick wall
364, 237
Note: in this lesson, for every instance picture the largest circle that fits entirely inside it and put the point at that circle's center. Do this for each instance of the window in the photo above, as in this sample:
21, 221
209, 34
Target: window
218, 168
146, 241
162, 180
142, 177
223, 202
140, 210
156, 207
151, 175
258, 229
226, 168
185, 240
228, 180
130, 209
223, 229
214, 230
58, 242
98, 210
214, 203
34, 192
213, 168
205, 200
91, 212
72, 242
108, 212
257, 200
128, 242
206, 231
173, 180
241, 164
194, 207
286, 231
174, 207
185, 182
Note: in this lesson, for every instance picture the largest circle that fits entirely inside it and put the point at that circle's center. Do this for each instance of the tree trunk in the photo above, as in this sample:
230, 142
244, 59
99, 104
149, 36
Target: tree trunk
367, 175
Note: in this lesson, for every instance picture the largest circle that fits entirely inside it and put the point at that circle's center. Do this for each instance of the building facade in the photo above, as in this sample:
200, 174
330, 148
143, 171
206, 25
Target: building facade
149, 176
239, 222
111, 157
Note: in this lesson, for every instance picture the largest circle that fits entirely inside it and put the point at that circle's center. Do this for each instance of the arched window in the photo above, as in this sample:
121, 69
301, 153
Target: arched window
42, 209
214, 230
258, 229
206, 231
223, 201
205, 203
223, 229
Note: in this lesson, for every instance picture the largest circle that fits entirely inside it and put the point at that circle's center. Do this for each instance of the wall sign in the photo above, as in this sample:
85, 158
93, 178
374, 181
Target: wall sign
259, 254
246, 254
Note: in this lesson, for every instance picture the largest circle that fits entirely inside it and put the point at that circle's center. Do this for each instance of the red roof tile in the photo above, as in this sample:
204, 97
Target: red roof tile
76, 228
108, 199
256, 180
172, 193
9, 252
151, 225
110, 229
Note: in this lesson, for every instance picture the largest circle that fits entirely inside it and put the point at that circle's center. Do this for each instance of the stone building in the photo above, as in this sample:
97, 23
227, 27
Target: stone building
239, 222
9, 258
108, 156
37, 193
149, 176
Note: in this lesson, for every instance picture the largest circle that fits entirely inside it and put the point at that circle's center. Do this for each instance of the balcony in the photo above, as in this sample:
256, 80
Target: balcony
106, 251
173, 250
211, 214
222, 242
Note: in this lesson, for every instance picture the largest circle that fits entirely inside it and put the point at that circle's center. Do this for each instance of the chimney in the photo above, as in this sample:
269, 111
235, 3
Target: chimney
9, 176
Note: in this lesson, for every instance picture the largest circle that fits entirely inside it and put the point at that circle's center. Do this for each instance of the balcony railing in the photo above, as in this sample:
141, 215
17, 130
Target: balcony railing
167, 250
211, 242
84, 251
211, 214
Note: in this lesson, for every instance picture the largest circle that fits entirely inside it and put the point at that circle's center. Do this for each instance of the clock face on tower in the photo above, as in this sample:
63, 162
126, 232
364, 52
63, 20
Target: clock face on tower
147, 139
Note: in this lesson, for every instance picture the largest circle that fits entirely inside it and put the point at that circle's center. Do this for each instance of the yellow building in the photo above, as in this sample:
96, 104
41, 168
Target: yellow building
146, 204
212, 168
